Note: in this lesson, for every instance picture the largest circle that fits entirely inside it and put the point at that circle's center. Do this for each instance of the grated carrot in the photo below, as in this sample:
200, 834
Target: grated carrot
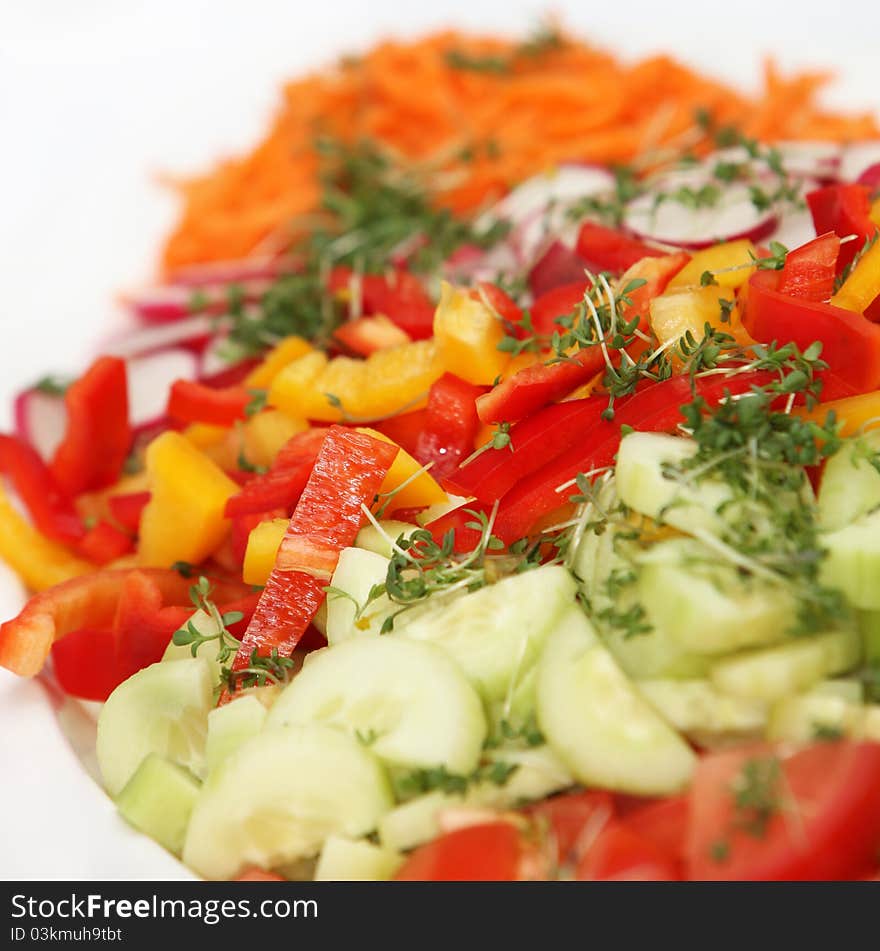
573, 102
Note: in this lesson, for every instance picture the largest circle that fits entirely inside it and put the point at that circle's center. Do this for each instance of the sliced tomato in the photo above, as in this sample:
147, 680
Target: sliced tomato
759, 815
571, 823
662, 822
621, 854
490, 852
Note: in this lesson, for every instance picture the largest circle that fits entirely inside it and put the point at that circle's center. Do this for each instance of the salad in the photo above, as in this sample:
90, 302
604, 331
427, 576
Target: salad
506, 512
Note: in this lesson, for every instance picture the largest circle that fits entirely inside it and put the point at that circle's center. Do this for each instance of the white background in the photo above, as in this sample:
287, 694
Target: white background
99, 96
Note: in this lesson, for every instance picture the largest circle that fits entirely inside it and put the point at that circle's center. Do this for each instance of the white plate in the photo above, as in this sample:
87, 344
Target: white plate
97, 96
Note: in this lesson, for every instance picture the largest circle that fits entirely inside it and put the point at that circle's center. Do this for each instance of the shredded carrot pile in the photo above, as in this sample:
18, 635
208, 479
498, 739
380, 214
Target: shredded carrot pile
483, 129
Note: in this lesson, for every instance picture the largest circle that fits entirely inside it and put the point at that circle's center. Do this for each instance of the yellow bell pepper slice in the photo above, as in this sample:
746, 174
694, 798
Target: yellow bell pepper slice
875, 212
467, 335
347, 390
863, 283
717, 259
183, 520
39, 562
422, 490
675, 313
264, 434
854, 413
286, 351
262, 549
204, 435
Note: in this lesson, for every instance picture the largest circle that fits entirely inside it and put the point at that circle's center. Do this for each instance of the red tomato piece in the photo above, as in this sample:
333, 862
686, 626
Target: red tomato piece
620, 854
490, 852
814, 815
571, 823
664, 823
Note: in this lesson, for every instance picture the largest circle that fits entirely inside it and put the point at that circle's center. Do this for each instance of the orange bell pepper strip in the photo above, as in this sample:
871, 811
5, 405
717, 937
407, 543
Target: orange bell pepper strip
347, 475
862, 286
90, 601
98, 436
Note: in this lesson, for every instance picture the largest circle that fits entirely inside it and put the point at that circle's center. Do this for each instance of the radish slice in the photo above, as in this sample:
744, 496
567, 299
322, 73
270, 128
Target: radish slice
795, 228
871, 177
819, 160
161, 305
858, 158
150, 378
558, 265
470, 263
40, 419
233, 272
192, 331
733, 216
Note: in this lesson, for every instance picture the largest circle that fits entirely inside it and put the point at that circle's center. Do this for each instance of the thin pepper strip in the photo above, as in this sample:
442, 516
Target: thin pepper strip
347, 475
191, 402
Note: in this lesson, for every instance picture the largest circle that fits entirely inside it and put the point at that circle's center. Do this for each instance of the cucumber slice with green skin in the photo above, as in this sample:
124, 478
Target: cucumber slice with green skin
643, 484
348, 611
417, 821
408, 701
496, 633
850, 484
279, 797
596, 721
158, 801
654, 654
850, 689
808, 717
852, 562
161, 709
539, 773
231, 725
869, 626
346, 860
870, 726
705, 605
776, 672
698, 709
371, 539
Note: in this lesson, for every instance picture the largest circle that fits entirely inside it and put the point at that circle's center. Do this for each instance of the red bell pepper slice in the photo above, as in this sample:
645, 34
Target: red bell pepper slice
98, 436
84, 664
556, 303
451, 424
346, 476
243, 525
558, 265
655, 408
50, 509
400, 296
810, 270
89, 601
104, 543
405, 429
533, 387
191, 402
850, 342
499, 301
845, 210
534, 441
127, 509
460, 522
368, 335
282, 485
605, 249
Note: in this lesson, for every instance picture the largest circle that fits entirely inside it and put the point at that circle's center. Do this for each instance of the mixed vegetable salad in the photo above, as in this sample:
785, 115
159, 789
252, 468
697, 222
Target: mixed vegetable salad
540, 542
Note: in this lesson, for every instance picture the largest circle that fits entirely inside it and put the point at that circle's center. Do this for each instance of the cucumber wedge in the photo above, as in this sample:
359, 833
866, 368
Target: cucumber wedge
804, 718
644, 485
850, 484
852, 562
348, 611
279, 797
496, 633
416, 821
346, 860
158, 801
704, 605
596, 721
869, 626
371, 539
208, 651
161, 709
775, 672
231, 725
698, 709
408, 701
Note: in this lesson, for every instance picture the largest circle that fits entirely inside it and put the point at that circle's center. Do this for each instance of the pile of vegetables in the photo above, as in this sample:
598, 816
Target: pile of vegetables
539, 543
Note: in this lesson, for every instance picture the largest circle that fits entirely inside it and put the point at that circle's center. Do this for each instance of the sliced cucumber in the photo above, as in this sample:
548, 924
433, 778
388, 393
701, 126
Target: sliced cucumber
705, 605
776, 672
497, 632
372, 539
158, 801
539, 772
698, 709
807, 717
850, 689
231, 725
850, 484
161, 709
347, 860
852, 562
407, 700
597, 722
644, 485
869, 626
280, 796
208, 651
349, 610
870, 726
416, 821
